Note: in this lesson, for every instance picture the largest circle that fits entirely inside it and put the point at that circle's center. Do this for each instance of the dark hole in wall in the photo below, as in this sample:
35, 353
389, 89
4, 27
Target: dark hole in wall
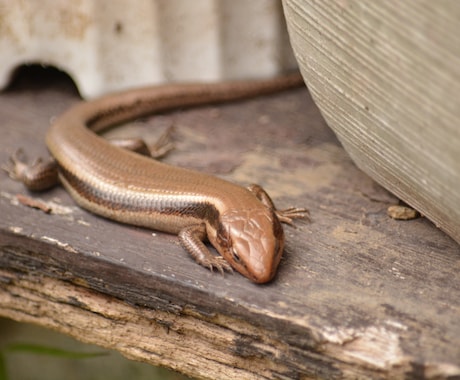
37, 76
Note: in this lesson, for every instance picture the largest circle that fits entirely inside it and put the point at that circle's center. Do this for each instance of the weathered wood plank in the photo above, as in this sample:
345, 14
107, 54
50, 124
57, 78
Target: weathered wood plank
358, 294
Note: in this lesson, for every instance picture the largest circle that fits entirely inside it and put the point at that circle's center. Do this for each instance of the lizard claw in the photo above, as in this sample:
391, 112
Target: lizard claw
219, 263
16, 165
288, 215
163, 145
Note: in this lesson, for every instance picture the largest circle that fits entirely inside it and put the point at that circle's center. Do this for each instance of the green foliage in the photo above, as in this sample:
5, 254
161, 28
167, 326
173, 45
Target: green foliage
3, 374
36, 349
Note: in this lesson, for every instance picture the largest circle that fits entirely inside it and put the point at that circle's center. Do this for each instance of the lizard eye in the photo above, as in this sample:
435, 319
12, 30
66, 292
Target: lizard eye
236, 257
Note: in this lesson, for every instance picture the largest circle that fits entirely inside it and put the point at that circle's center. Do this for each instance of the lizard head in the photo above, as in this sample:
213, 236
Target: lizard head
252, 241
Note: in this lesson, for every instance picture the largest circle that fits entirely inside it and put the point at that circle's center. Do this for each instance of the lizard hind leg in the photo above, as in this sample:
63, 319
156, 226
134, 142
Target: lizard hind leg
37, 176
158, 150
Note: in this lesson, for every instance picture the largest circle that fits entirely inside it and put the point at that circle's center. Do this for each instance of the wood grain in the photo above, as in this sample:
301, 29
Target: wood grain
386, 76
358, 294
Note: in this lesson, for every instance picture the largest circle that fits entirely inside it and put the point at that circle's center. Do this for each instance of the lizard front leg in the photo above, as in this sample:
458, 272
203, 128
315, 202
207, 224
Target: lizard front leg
191, 239
285, 216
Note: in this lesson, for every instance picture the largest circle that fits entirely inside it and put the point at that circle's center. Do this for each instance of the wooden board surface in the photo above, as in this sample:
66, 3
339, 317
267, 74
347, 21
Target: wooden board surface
357, 294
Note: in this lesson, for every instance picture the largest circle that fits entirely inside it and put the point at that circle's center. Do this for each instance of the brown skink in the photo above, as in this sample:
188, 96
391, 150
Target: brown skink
241, 223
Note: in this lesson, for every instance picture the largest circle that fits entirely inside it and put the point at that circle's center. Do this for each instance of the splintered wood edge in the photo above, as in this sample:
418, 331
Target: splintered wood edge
196, 347
218, 347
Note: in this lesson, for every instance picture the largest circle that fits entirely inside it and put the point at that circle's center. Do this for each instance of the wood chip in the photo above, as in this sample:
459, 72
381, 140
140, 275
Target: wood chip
402, 212
34, 203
